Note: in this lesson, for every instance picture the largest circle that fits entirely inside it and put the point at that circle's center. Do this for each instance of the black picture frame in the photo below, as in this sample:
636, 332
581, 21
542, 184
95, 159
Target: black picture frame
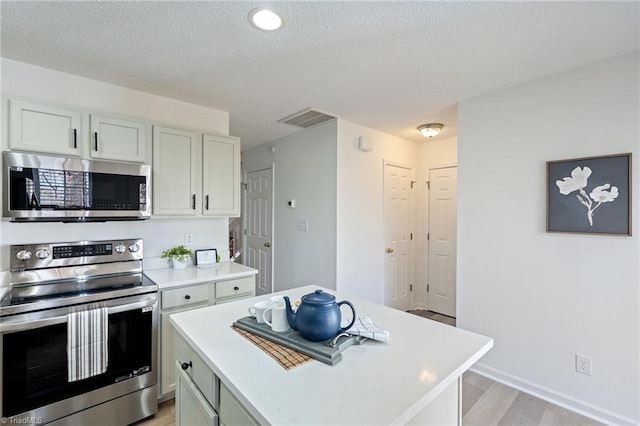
203, 257
590, 195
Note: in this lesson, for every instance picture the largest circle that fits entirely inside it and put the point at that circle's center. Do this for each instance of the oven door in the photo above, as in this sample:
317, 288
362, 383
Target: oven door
33, 354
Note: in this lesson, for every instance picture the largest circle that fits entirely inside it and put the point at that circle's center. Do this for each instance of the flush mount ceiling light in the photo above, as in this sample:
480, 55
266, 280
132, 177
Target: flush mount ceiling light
265, 19
430, 130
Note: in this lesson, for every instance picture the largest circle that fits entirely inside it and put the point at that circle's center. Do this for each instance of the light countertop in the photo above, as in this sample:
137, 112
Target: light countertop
374, 383
169, 277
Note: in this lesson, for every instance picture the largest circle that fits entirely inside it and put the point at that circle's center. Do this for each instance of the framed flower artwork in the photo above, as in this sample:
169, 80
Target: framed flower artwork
590, 195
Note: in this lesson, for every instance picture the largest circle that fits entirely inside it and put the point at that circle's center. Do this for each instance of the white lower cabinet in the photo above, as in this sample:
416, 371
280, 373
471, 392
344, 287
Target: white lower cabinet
186, 298
231, 411
201, 398
191, 407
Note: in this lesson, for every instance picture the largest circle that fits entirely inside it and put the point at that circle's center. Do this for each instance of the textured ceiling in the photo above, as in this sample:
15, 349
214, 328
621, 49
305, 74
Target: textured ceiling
387, 65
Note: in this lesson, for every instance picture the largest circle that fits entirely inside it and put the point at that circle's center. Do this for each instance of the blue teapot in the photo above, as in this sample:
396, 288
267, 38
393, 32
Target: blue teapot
318, 316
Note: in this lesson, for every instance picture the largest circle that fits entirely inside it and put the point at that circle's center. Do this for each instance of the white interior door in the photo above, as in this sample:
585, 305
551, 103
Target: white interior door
442, 240
259, 227
397, 228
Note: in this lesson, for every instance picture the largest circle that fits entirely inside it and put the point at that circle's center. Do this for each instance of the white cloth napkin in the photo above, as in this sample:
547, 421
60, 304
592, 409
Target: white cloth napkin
364, 326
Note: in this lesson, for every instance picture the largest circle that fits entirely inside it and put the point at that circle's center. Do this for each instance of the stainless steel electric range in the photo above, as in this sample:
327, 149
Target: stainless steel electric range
48, 284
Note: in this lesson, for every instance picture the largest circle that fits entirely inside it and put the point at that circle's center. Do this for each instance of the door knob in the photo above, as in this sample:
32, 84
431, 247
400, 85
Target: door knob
389, 250
267, 244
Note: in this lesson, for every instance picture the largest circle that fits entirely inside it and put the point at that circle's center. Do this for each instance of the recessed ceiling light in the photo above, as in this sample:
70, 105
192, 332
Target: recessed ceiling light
265, 19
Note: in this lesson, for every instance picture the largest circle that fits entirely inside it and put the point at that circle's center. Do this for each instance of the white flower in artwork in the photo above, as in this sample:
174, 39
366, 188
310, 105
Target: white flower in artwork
601, 195
578, 182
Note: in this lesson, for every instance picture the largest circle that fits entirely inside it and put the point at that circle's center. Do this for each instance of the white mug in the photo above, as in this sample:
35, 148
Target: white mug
277, 299
259, 308
278, 321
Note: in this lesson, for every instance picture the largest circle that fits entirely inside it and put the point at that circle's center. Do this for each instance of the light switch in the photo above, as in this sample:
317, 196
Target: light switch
303, 225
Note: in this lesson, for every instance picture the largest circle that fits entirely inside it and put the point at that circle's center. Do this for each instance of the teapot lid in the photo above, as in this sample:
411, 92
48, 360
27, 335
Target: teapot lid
318, 297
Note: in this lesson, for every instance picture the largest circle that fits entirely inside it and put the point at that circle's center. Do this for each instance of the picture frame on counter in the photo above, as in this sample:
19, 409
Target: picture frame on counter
206, 258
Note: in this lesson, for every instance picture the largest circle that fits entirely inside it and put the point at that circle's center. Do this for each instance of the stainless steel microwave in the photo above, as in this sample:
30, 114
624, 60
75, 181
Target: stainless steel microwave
60, 189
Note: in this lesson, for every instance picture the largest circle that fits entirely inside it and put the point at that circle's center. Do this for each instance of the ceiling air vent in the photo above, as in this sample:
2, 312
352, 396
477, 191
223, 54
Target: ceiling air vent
306, 118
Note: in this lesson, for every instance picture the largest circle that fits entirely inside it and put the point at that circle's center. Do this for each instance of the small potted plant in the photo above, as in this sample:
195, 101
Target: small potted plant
178, 255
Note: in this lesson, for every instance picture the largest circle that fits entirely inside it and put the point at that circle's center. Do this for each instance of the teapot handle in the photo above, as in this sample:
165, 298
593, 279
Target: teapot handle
353, 320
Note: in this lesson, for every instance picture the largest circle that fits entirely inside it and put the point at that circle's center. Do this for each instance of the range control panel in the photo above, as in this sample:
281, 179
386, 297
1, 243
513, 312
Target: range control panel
61, 252
48, 255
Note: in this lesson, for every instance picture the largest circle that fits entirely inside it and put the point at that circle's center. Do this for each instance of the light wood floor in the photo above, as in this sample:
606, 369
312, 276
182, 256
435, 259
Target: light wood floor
485, 402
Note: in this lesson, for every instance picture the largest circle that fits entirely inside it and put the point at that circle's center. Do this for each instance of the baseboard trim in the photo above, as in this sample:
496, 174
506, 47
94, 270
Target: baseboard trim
581, 407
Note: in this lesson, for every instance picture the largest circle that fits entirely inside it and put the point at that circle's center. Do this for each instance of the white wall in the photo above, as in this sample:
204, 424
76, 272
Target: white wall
545, 297
305, 171
360, 225
48, 86
431, 154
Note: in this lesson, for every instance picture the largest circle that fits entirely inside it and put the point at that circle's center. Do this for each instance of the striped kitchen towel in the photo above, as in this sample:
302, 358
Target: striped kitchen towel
364, 326
87, 343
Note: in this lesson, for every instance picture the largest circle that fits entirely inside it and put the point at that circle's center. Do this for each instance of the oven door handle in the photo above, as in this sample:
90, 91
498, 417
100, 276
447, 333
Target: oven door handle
34, 320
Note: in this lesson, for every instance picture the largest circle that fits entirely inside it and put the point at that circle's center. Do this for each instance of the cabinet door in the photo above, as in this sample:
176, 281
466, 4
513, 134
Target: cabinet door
118, 139
175, 172
232, 413
191, 407
221, 175
42, 128
167, 351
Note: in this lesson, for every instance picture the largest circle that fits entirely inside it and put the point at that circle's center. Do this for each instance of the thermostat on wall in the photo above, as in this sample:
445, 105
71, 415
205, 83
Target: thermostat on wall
206, 258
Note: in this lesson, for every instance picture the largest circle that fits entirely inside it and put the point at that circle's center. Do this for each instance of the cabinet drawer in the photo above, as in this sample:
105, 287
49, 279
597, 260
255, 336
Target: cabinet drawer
198, 371
235, 288
184, 296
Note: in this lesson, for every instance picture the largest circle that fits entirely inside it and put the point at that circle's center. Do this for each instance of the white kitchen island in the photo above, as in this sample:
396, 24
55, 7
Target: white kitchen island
414, 379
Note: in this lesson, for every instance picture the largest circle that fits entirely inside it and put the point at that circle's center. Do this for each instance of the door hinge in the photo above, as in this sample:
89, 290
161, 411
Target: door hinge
427, 288
244, 185
245, 231
412, 182
410, 287
428, 185
411, 236
427, 236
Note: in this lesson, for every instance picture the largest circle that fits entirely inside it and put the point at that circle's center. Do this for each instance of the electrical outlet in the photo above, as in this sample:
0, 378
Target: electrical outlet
188, 239
583, 364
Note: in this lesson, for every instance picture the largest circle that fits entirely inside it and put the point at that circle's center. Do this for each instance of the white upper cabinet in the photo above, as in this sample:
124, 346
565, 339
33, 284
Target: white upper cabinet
175, 172
194, 174
44, 129
221, 175
117, 139
69, 132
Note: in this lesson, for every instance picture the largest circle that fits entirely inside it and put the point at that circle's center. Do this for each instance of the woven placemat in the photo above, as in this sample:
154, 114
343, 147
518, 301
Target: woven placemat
286, 357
